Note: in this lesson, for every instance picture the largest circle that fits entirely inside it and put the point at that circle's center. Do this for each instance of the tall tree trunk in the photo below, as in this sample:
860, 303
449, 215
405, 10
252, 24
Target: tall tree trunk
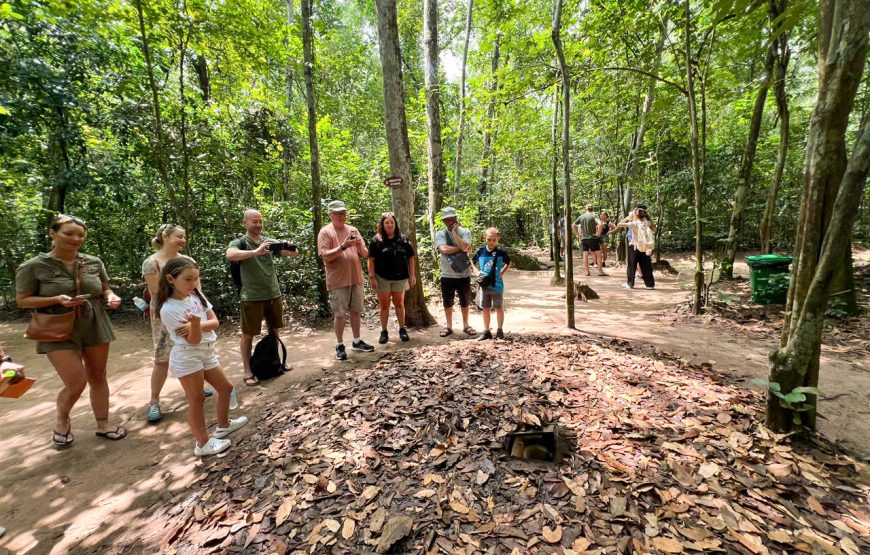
556, 244
697, 166
632, 169
566, 162
416, 312
56, 203
457, 172
744, 175
160, 150
183, 39
286, 155
200, 65
486, 157
823, 231
435, 165
782, 53
313, 146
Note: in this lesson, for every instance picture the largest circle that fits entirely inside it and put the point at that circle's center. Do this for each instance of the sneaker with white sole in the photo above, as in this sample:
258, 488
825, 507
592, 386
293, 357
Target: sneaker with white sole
362, 346
212, 447
234, 400
235, 424
626, 286
154, 414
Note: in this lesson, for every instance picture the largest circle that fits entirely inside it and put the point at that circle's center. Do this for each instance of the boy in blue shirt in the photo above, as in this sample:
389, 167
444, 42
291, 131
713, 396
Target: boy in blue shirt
490, 263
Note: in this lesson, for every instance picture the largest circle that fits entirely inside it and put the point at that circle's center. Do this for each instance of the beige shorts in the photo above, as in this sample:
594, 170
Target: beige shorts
346, 299
391, 285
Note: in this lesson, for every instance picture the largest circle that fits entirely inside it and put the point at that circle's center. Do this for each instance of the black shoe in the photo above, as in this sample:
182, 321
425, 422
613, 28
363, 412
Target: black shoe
485, 335
403, 334
340, 353
499, 334
361, 346
384, 337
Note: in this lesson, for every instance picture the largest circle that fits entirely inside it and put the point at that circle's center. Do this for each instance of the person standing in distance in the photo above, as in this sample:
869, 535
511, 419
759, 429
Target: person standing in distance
454, 239
260, 294
586, 226
341, 246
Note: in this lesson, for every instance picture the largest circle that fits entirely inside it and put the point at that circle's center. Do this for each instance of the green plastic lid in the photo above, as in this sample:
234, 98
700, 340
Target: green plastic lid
762, 260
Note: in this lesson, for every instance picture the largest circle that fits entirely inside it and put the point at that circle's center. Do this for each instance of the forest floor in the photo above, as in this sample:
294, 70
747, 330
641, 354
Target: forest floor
99, 496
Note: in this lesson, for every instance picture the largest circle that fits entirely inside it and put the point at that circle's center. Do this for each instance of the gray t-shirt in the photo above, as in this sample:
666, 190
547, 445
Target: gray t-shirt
441, 239
588, 225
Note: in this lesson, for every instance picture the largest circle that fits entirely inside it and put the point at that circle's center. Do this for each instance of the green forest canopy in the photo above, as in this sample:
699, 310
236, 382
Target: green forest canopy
77, 129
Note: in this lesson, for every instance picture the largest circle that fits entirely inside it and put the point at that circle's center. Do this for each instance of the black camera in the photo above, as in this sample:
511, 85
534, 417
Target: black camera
282, 246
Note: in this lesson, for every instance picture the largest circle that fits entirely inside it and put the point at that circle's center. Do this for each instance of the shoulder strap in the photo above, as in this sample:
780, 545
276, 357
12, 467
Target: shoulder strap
449, 237
283, 349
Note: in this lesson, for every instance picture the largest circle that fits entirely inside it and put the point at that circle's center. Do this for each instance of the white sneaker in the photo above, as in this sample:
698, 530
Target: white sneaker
212, 447
235, 424
626, 286
234, 401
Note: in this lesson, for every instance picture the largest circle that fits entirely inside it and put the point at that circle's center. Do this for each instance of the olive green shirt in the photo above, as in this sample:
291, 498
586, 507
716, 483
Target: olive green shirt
259, 280
46, 276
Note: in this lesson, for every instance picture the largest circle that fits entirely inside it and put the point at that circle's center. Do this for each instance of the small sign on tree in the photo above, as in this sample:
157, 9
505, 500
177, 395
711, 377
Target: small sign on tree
393, 182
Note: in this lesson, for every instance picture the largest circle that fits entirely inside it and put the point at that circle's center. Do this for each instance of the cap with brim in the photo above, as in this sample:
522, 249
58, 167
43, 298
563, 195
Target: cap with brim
337, 206
448, 213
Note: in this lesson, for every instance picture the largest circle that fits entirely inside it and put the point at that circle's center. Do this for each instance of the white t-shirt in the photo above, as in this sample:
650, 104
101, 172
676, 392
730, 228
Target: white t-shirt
173, 314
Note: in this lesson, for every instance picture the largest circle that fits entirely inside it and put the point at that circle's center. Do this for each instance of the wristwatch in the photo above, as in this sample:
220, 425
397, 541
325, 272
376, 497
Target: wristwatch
5, 358
343, 247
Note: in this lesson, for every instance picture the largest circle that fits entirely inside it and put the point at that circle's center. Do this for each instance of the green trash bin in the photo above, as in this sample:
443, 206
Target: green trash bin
769, 278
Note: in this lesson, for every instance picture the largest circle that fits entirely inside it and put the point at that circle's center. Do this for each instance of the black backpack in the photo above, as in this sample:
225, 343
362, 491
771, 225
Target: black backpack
265, 362
236, 266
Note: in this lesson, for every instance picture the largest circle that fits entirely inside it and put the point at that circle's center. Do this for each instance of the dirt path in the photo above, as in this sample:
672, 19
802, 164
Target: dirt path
80, 499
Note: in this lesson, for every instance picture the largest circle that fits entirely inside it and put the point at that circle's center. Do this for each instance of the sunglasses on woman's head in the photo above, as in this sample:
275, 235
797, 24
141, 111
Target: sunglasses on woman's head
65, 219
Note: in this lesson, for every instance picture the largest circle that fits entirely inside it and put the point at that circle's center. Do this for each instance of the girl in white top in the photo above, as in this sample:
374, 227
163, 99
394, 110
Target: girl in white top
191, 323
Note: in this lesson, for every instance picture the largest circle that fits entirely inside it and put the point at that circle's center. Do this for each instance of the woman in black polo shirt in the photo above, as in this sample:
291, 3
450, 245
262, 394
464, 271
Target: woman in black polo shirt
392, 268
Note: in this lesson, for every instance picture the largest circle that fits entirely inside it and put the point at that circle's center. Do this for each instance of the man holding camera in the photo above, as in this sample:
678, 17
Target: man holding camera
260, 294
341, 247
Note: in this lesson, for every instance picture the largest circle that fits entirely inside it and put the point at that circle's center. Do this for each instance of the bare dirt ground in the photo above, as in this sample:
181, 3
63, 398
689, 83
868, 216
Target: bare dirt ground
82, 499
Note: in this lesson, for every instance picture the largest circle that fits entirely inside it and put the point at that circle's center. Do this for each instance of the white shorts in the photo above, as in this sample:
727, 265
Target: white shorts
185, 360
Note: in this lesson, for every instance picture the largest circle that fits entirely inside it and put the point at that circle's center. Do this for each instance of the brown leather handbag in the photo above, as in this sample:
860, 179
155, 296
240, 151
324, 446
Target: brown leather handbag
55, 328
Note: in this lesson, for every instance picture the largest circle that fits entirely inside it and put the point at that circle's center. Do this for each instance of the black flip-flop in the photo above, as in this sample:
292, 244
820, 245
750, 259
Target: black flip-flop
445, 332
65, 439
251, 381
114, 435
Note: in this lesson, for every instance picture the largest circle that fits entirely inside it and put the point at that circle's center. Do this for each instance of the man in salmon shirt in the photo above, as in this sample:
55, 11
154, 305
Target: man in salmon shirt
341, 247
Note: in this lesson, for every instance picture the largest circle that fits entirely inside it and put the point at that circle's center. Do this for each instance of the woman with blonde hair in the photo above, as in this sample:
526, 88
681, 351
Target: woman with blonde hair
168, 242
61, 281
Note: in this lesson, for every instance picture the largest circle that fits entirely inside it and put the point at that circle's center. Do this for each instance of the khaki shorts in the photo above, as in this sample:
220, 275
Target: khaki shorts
346, 299
391, 285
254, 312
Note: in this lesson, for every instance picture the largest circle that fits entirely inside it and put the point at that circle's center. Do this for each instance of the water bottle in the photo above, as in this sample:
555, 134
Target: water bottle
140, 303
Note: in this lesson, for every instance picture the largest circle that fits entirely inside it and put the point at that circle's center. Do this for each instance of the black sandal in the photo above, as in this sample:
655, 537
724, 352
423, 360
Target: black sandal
113, 435
62, 440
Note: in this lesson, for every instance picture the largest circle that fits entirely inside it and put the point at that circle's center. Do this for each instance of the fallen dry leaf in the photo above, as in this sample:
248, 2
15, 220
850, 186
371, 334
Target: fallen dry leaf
552, 535
396, 528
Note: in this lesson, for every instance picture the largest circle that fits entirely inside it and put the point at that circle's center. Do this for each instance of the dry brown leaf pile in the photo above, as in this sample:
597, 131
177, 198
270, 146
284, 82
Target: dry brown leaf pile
405, 457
